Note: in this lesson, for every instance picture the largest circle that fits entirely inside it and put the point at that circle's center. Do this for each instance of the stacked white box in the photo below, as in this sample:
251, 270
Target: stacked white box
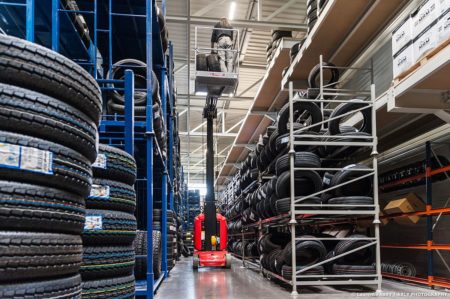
425, 15
401, 35
426, 41
403, 59
443, 26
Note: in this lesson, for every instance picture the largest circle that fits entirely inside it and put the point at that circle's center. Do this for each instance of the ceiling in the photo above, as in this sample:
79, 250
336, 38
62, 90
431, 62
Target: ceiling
254, 37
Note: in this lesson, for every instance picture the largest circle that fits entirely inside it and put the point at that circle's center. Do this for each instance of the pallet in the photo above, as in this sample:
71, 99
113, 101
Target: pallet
422, 61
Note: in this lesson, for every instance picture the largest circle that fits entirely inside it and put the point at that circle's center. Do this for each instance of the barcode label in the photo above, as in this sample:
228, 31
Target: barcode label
26, 158
100, 162
93, 222
100, 191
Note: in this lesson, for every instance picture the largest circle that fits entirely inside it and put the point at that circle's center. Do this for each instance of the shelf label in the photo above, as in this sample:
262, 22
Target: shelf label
100, 162
93, 222
100, 191
26, 158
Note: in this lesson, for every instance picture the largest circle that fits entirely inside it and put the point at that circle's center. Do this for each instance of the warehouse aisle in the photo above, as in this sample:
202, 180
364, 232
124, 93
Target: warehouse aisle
240, 283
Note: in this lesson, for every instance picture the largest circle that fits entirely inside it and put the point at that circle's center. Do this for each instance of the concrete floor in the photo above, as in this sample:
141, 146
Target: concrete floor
241, 283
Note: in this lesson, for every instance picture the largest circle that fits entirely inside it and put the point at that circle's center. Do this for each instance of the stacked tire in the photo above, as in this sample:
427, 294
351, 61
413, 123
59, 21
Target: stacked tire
116, 101
313, 11
140, 247
110, 227
277, 36
172, 250
49, 113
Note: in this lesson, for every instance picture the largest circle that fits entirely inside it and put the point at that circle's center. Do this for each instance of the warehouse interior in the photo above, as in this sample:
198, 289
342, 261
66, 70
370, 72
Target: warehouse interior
224, 148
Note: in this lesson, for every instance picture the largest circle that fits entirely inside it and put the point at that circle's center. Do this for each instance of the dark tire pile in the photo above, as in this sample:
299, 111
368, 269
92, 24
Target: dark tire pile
110, 227
261, 188
49, 113
116, 99
313, 12
277, 36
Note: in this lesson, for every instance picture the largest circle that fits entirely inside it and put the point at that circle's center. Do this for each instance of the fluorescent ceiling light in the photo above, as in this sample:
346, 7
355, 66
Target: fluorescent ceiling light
232, 10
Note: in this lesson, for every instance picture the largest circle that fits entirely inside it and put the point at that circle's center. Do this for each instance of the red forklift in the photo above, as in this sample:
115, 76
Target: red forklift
210, 227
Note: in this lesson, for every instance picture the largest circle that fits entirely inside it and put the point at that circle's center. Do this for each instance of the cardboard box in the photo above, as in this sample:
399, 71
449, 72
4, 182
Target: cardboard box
443, 27
428, 13
426, 41
406, 204
403, 60
401, 35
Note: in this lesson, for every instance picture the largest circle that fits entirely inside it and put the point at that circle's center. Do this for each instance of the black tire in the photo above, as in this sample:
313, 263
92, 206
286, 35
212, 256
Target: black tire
277, 34
213, 63
301, 159
299, 108
61, 288
26, 112
334, 125
361, 187
354, 269
140, 242
33, 207
295, 49
53, 165
270, 242
286, 272
37, 68
201, 64
111, 195
109, 227
119, 287
308, 252
115, 164
352, 200
102, 262
315, 72
25, 255
306, 182
157, 253
120, 109
284, 205
361, 257
140, 267
139, 69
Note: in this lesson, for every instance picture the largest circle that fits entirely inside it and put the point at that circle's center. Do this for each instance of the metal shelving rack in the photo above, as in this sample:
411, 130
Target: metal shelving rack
330, 210
124, 131
431, 280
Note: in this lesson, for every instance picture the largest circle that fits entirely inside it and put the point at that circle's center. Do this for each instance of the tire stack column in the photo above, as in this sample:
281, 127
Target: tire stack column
110, 227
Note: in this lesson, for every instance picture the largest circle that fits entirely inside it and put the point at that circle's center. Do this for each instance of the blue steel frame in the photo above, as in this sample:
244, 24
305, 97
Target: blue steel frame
155, 60
29, 6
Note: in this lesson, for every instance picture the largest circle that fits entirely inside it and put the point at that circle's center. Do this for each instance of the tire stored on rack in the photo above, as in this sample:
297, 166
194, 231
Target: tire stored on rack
107, 261
306, 182
363, 256
109, 227
327, 67
34, 114
118, 287
334, 125
308, 252
37, 161
26, 255
284, 205
301, 159
315, 116
362, 187
64, 288
111, 195
33, 207
114, 164
37, 68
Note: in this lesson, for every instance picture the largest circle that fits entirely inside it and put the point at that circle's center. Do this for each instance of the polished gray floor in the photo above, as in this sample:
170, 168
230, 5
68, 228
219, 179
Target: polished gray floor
241, 283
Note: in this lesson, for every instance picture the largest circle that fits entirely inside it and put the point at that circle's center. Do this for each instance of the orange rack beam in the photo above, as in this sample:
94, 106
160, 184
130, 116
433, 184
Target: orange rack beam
416, 177
418, 246
430, 281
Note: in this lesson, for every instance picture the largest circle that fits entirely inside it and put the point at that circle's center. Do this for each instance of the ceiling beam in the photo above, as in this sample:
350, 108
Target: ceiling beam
280, 10
207, 8
265, 25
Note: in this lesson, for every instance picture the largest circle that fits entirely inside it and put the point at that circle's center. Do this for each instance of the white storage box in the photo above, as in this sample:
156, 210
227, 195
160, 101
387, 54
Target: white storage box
425, 15
443, 27
425, 41
401, 35
444, 5
403, 60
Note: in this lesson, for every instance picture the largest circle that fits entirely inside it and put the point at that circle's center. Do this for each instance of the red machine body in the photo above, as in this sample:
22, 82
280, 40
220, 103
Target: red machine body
213, 258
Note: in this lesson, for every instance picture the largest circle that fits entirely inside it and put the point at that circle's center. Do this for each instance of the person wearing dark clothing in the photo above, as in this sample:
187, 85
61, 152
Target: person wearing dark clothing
223, 37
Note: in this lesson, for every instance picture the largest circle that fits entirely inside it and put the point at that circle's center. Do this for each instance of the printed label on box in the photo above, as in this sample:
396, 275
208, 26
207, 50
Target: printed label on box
26, 158
100, 162
93, 222
100, 191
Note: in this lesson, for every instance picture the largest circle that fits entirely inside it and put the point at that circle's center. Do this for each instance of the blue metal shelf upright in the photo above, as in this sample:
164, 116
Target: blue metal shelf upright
110, 39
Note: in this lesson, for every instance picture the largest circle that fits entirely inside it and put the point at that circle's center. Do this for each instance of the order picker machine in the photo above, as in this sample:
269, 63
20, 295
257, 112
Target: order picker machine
210, 228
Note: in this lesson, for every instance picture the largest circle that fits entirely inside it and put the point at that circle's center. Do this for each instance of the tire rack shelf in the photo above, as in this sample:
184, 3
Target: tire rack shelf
430, 247
122, 131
